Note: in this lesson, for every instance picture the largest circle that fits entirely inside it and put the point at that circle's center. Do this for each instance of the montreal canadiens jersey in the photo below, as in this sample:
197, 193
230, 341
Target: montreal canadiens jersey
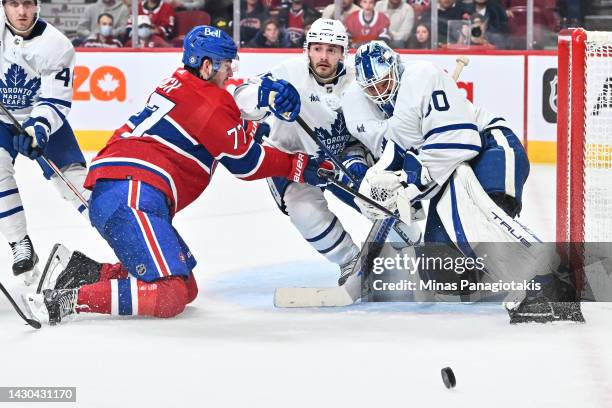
431, 115
320, 108
175, 143
36, 74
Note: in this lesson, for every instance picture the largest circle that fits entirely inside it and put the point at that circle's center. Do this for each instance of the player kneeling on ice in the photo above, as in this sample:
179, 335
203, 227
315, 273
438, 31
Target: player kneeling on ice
156, 164
36, 86
321, 77
467, 162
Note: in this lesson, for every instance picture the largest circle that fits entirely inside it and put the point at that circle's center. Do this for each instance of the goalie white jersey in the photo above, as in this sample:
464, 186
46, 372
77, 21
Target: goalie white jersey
431, 115
319, 108
36, 74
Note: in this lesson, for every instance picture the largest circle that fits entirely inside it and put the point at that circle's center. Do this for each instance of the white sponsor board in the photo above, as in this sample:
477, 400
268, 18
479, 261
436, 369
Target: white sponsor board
111, 86
542, 97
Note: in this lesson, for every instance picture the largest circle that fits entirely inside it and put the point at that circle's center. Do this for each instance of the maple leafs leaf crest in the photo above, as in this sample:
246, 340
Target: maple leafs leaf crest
108, 83
16, 78
336, 140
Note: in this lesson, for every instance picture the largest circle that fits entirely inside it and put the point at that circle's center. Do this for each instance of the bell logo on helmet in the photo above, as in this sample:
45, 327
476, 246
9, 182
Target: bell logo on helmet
212, 32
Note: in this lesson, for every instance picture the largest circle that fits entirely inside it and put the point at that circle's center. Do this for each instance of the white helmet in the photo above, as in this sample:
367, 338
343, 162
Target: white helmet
327, 31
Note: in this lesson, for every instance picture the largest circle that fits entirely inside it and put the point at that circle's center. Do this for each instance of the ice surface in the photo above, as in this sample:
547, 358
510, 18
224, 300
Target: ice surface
231, 348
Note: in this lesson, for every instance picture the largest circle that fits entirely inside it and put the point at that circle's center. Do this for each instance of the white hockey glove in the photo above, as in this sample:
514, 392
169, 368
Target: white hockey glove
396, 191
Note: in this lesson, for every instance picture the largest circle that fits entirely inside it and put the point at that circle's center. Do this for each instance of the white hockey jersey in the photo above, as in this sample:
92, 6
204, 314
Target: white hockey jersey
320, 109
36, 74
431, 115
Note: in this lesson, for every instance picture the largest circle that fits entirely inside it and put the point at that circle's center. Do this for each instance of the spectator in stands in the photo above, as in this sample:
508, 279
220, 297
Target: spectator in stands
252, 16
162, 17
348, 7
448, 10
421, 38
474, 33
188, 4
147, 37
367, 24
294, 18
401, 20
88, 24
270, 36
496, 19
419, 7
104, 37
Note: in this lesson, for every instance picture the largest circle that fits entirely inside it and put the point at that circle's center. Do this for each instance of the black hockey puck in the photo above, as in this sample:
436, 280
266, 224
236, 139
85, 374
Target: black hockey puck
448, 377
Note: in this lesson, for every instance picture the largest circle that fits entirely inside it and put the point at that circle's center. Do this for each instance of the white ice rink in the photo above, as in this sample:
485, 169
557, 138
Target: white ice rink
232, 348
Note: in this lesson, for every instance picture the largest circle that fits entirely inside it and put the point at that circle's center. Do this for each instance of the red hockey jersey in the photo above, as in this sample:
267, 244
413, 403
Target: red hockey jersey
162, 17
362, 31
176, 141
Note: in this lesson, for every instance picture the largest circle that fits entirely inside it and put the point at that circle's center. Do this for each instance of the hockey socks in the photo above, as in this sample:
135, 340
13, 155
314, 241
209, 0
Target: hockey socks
165, 297
117, 293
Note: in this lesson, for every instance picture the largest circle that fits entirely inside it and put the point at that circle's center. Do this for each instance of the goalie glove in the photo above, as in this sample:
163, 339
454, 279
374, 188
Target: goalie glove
397, 190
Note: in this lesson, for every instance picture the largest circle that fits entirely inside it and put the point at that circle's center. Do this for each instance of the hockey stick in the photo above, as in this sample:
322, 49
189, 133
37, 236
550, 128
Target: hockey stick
350, 291
50, 163
332, 157
34, 323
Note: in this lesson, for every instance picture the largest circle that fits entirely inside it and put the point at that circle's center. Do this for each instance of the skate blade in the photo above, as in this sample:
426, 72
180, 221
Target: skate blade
35, 304
48, 278
32, 276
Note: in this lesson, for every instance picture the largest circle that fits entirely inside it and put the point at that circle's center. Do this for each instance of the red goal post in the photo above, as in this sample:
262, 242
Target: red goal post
584, 137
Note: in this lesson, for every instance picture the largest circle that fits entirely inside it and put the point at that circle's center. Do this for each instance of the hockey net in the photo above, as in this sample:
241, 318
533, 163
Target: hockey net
584, 151
584, 135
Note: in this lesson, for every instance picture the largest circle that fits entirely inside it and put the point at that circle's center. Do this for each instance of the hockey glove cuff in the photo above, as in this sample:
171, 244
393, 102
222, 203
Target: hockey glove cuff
305, 169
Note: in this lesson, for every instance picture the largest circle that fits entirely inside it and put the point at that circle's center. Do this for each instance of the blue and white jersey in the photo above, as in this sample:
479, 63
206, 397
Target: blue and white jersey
36, 74
431, 115
320, 109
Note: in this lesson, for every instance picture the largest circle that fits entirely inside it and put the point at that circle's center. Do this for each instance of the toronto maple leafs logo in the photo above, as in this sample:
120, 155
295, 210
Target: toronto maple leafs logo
337, 138
18, 92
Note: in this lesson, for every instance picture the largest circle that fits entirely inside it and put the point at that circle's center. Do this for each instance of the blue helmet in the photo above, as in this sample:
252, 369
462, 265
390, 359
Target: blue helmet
376, 62
208, 42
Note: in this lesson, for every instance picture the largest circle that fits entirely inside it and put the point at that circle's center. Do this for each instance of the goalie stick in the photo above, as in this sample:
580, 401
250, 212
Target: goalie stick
34, 323
351, 290
49, 162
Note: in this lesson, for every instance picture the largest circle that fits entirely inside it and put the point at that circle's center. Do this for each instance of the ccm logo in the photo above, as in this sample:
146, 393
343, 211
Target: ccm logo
299, 168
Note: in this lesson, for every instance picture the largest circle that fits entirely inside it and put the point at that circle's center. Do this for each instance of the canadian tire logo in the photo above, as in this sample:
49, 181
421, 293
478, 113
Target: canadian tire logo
549, 95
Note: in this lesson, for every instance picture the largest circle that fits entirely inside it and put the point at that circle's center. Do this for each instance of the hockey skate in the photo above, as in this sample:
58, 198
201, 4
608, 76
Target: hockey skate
348, 269
540, 309
25, 260
52, 305
558, 302
67, 269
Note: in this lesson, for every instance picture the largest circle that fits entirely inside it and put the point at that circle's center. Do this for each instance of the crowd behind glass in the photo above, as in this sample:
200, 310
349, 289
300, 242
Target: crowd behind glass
476, 24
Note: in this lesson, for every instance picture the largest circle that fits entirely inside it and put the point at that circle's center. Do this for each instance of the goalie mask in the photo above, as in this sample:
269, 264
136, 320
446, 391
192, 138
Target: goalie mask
378, 72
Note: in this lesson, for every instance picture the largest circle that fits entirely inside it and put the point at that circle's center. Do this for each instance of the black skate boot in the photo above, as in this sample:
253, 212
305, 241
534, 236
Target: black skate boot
52, 305
67, 269
558, 301
24, 257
